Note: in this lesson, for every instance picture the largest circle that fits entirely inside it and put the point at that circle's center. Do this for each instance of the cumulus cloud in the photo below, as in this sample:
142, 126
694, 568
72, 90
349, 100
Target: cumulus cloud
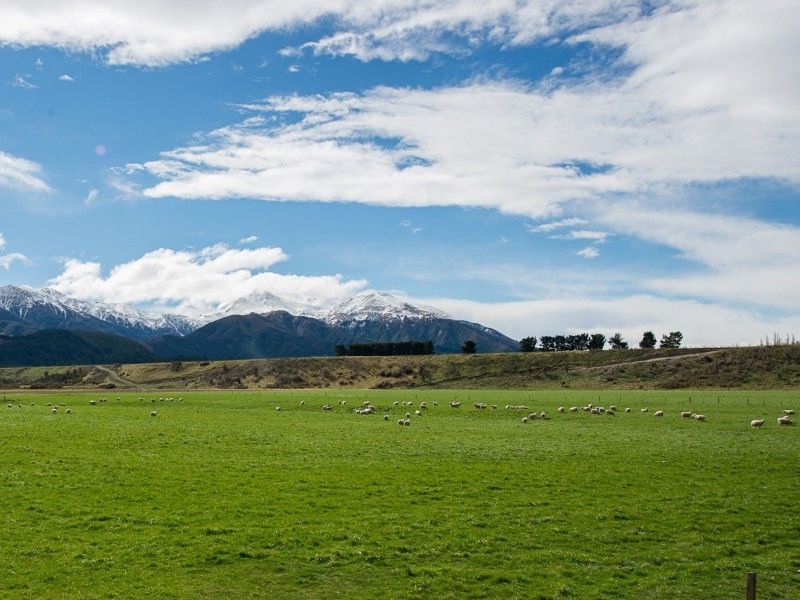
65, 77
249, 239
160, 33
197, 281
555, 225
91, 197
21, 173
6, 260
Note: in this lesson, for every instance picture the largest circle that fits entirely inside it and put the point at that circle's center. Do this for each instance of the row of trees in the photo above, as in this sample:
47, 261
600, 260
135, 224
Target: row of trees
595, 341
385, 349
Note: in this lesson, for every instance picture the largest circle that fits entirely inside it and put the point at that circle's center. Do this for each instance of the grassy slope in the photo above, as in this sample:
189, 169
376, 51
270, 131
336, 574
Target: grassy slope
222, 496
748, 368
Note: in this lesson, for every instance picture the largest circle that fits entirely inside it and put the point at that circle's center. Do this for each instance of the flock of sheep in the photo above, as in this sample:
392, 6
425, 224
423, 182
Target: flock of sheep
368, 408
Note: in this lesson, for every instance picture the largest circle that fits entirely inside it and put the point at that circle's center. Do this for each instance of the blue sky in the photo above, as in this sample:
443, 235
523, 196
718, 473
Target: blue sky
535, 166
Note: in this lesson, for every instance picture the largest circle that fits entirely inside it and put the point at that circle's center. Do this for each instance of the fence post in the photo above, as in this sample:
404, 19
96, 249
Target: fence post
751, 586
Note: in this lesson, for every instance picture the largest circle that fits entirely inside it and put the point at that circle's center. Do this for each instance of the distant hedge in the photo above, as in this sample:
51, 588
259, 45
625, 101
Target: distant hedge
385, 349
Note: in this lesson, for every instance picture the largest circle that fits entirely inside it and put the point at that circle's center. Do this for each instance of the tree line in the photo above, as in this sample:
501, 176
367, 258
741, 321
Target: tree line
385, 348
595, 341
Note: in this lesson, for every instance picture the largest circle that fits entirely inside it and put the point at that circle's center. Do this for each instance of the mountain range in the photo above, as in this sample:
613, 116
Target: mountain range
260, 325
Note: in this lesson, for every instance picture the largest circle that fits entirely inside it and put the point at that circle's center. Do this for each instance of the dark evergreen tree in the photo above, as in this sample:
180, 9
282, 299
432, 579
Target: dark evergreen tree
597, 341
527, 344
547, 343
648, 340
469, 347
617, 343
672, 339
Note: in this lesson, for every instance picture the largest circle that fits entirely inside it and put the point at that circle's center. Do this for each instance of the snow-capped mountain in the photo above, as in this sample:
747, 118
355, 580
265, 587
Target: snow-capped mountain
33, 309
380, 306
262, 303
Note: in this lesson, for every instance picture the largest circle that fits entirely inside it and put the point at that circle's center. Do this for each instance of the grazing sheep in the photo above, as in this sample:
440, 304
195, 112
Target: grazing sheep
595, 411
407, 422
756, 422
543, 416
561, 409
54, 410
327, 407
455, 404
524, 419
423, 405
401, 422
532, 416
700, 417
69, 411
140, 399
395, 403
153, 413
385, 417
494, 406
644, 410
418, 413
93, 402
610, 412
686, 414
435, 403
408, 415
302, 402
658, 413
613, 407
508, 406
785, 420
788, 412
479, 405
573, 409
278, 408
627, 410
601, 409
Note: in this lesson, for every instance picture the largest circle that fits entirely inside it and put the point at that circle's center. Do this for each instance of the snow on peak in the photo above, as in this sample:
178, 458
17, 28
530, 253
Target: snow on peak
262, 303
380, 306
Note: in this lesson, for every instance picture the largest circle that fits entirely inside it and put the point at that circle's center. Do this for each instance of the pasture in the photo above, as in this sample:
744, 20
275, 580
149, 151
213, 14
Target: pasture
222, 495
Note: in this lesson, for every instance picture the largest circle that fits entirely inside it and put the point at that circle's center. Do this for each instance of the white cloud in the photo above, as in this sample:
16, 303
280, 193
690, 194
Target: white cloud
583, 234
21, 173
703, 324
24, 82
294, 69
249, 239
160, 33
65, 77
555, 225
6, 260
588, 252
91, 197
197, 281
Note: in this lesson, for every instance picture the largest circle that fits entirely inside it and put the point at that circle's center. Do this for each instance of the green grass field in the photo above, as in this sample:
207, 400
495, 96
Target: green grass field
221, 495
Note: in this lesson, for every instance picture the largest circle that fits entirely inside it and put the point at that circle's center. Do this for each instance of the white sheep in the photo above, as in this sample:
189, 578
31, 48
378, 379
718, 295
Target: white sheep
401, 422
408, 415
756, 422
644, 410
700, 417
524, 419
93, 402
788, 412
561, 409
407, 422
327, 407
302, 402
532, 416
543, 415
69, 411
278, 408
785, 420
573, 409
494, 406
595, 411
687, 414
395, 403
455, 404
627, 410
153, 413
610, 412
385, 417
658, 413
418, 413
54, 410
613, 407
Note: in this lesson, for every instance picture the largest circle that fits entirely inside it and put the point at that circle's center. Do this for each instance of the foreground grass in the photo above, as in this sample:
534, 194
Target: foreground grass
221, 495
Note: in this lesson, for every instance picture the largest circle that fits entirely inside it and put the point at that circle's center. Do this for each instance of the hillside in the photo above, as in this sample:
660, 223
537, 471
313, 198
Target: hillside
60, 347
728, 368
